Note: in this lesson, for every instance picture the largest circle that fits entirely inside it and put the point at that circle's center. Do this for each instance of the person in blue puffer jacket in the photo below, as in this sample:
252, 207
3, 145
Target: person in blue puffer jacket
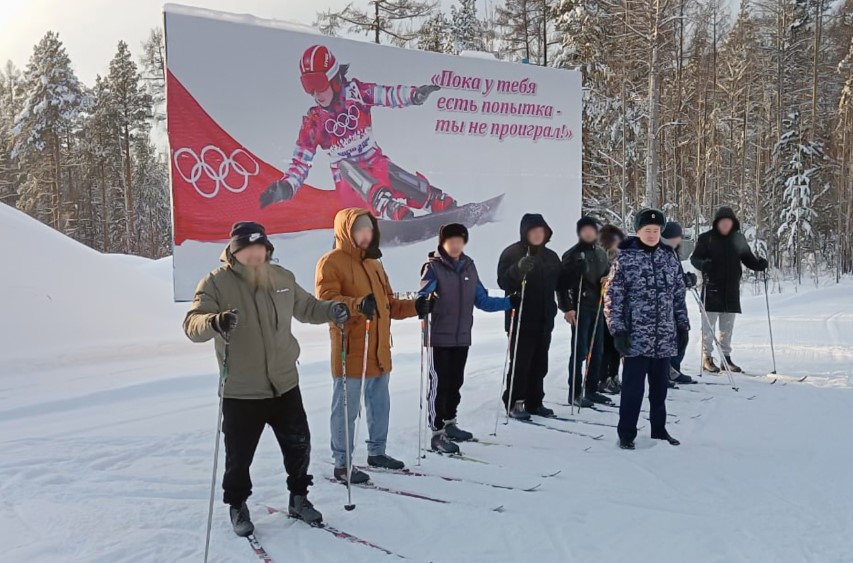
645, 308
450, 282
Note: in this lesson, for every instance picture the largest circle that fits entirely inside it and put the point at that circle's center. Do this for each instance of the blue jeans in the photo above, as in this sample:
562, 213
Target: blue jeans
583, 332
377, 402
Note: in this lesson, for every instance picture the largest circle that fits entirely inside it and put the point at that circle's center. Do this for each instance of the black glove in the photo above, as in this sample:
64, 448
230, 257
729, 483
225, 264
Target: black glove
526, 264
707, 266
224, 323
622, 343
683, 337
280, 190
690, 280
762, 265
340, 313
367, 306
424, 306
515, 300
582, 266
422, 93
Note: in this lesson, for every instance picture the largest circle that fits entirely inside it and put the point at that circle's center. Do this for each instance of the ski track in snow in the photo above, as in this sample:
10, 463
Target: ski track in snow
107, 451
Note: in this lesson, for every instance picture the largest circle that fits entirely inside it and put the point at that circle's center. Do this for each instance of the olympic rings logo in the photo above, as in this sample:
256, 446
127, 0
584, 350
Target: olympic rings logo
343, 122
227, 170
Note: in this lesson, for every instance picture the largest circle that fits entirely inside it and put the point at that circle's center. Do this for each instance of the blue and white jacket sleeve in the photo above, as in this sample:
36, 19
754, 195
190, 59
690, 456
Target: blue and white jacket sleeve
616, 300
429, 283
484, 302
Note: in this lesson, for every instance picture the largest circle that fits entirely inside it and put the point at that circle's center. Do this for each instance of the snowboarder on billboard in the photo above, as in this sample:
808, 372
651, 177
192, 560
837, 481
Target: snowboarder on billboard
341, 124
247, 306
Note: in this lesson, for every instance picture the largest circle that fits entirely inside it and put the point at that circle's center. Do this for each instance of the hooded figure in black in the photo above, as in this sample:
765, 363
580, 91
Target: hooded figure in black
530, 264
719, 254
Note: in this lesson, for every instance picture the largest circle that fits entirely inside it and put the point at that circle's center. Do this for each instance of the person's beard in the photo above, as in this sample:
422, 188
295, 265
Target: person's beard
259, 276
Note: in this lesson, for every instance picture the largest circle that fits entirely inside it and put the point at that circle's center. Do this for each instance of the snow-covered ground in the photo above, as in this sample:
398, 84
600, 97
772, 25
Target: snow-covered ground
107, 423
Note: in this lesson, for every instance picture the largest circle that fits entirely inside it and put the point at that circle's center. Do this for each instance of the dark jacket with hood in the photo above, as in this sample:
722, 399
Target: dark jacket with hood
598, 266
540, 306
719, 258
456, 288
645, 299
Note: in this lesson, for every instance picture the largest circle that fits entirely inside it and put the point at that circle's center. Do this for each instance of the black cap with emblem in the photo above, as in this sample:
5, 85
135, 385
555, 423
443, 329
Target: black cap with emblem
649, 217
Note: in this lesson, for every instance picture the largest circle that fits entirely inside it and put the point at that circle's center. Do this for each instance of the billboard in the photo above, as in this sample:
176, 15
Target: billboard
272, 124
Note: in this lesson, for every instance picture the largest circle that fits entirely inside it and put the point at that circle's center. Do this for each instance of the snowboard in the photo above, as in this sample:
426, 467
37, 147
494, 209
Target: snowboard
425, 227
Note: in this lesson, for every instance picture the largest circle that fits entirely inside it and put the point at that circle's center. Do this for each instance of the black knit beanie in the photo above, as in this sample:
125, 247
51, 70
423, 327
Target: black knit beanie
452, 230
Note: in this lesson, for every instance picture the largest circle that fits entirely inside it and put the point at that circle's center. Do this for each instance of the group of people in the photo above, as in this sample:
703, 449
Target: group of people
623, 296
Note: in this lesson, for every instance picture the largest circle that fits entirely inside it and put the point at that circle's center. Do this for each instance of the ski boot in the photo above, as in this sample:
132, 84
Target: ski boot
241, 520
388, 208
540, 411
709, 365
518, 412
598, 398
385, 462
626, 444
583, 403
684, 379
438, 201
441, 444
733, 367
356, 477
302, 509
453, 432
665, 436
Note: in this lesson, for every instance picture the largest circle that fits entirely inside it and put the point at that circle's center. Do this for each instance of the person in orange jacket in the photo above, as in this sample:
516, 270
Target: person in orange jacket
353, 274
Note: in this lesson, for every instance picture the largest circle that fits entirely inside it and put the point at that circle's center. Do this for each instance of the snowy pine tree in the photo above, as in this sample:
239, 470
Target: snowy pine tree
466, 31
53, 98
434, 34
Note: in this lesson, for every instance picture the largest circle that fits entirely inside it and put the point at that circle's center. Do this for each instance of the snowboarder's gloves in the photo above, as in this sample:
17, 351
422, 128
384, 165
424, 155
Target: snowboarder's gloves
424, 305
707, 266
367, 306
762, 265
280, 190
683, 337
690, 280
583, 267
340, 313
422, 93
515, 300
226, 322
526, 264
622, 343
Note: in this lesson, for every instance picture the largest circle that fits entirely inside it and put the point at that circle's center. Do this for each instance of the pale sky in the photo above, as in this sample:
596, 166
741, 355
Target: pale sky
91, 29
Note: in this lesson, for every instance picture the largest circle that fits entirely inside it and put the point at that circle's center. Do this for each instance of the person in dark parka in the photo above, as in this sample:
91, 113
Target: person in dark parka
450, 289
719, 254
610, 237
645, 308
589, 261
530, 259
671, 236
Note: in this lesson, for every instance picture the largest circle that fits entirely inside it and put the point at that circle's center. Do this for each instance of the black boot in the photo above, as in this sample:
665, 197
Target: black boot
439, 443
301, 508
709, 365
598, 398
356, 478
518, 411
733, 366
626, 444
583, 402
453, 432
665, 436
385, 462
241, 521
541, 411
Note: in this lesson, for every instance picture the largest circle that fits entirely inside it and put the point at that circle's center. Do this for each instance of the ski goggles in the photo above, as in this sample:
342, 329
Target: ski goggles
314, 82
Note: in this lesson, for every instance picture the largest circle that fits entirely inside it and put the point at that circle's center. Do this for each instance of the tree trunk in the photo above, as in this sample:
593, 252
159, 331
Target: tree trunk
652, 198
57, 178
129, 210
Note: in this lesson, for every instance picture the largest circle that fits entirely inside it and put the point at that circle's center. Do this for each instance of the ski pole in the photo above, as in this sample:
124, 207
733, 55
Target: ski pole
714, 336
769, 324
702, 331
222, 377
515, 348
591, 344
506, 367
349, 505
361, 392
421, 394
575, 333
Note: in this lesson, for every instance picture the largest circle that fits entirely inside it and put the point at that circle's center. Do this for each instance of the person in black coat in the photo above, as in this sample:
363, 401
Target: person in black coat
671, 236
719, 254
530, 260
583, 311
610, 237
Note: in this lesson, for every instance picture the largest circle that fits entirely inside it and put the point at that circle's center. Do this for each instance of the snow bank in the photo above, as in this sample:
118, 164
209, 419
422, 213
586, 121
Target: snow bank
61, 296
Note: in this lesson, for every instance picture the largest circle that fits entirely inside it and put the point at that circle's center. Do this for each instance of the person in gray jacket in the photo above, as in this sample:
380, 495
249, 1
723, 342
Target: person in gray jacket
247, 306
450, 289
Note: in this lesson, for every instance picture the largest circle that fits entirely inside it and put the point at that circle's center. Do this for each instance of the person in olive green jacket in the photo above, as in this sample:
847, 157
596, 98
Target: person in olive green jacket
247, 305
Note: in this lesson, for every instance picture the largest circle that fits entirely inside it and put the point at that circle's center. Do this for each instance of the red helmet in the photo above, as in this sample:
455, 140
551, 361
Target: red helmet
318, 68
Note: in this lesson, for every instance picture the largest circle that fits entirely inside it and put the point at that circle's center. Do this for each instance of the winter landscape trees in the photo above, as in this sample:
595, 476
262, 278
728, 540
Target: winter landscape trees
688, 105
